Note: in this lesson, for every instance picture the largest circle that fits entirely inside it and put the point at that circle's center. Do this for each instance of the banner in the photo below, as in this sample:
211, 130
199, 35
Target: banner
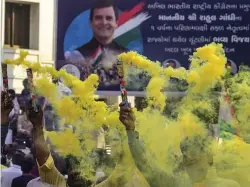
165, 30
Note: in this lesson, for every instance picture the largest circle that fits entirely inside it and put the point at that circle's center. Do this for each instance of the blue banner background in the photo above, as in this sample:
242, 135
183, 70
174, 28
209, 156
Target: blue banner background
70, 11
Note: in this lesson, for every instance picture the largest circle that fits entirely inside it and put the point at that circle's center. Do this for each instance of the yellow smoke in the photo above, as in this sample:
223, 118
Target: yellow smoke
161, 134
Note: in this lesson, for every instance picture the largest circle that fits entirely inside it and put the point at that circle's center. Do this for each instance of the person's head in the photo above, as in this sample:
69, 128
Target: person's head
26, 84
12, 93
74, 176
76, 180
197, 157
27, 164
228, 64
104, 20
172, 64
55, 80
18, 157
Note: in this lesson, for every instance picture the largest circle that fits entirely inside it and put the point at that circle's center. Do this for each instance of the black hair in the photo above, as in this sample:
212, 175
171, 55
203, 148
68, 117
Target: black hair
103, 4
25, 81
76, 180
198, 145
71, 162
197, 142
18, 157
12, 93
27, 164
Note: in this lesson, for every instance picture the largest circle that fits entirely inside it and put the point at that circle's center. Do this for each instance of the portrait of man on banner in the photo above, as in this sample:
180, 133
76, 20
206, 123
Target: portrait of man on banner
111, 36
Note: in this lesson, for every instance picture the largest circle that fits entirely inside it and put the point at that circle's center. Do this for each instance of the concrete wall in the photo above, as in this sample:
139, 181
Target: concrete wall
42, 39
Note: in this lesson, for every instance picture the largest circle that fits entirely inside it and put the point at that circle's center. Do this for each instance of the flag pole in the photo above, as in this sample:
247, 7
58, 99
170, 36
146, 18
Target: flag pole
32, 89
123, 90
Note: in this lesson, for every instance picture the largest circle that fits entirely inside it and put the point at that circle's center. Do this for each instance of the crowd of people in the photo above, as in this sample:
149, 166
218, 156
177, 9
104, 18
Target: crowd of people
18, 153
27, 160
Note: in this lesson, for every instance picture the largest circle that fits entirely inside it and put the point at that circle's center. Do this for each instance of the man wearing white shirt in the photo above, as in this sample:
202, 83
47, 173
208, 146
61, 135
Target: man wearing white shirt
37, 183
8, 174
16, 107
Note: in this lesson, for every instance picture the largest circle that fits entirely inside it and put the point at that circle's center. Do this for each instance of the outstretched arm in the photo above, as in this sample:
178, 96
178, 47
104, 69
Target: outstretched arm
47, 169
143, 159
146, 164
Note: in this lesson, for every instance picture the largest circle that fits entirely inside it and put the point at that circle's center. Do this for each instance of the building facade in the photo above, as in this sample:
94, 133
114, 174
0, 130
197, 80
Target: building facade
31, 25
27, 25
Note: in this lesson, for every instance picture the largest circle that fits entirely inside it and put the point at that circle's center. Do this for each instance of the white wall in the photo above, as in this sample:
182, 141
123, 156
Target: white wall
47, 31
42, 31
1, 35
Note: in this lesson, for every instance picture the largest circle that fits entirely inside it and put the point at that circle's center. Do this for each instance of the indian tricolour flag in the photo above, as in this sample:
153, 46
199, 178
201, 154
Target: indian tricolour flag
131, 19
128, 23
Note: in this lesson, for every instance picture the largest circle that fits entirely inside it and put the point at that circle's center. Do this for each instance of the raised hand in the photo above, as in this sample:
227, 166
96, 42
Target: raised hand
36, 118
127, 117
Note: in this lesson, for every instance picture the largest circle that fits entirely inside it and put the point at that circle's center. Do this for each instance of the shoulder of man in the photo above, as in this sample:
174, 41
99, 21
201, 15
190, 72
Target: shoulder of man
229, 183
6, 170
37, 182
16, 180
88, 49
118, 47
